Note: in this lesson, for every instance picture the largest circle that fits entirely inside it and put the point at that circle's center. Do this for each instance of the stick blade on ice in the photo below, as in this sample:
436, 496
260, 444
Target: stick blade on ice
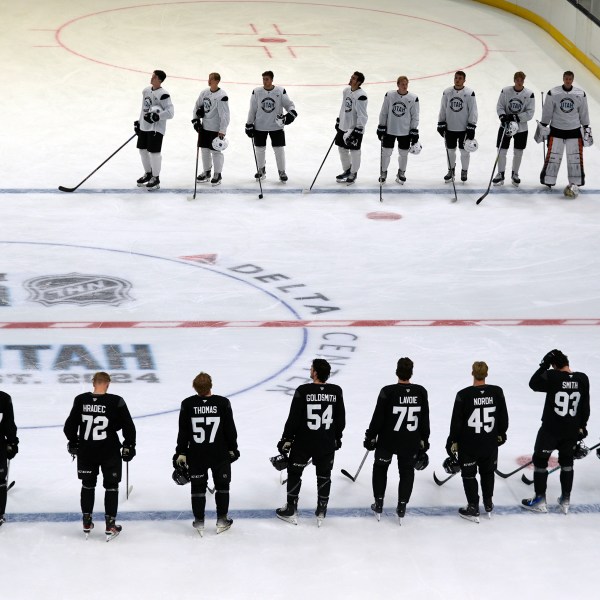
344, 472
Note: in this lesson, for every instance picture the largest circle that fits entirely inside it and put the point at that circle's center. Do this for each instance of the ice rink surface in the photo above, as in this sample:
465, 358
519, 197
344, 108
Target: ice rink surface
251, 290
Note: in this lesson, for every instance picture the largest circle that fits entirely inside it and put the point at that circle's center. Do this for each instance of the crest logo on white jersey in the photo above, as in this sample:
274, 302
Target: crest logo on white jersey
207, 105
515, 105
268, 105
348, 104
399, 109
456, 104
567, 105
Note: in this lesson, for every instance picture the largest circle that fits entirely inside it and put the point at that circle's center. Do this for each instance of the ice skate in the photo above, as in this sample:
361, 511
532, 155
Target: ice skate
283, 176
463, 175
535, 504
288, 513
2, 520
449, 176
216, 180
564, 502
261, 174
401, 511
382, 177
341, 178
112, 529
144, 179
321, 510
223, 524
470, 512
88, 524
489, 506
515, 179
198, 525
400, 177
499, 179
153, 184
377, 508
204, 177
351, 178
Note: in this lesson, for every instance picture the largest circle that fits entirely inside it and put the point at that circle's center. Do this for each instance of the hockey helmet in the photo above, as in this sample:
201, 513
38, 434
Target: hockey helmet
155, 109
421, 461
471, 145
181, 474
451, 465
581, 451
220, 144
280, 462
416, 148
511, 128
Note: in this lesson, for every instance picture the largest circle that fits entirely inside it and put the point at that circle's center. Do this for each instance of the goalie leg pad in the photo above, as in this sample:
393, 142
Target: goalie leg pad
575, 171
552, 161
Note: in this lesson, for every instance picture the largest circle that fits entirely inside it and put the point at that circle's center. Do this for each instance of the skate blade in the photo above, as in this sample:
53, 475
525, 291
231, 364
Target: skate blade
320, 521
222, 528
515, 184
112, 536
216, 184
153, 189
535, 509
200, 531
400, 521
469, 518
292, 520
499, 183
489, 515
399, 182
87, 534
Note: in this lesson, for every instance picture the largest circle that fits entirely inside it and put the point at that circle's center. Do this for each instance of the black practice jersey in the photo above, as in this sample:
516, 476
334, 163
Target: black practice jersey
567, 405
94, 422
479, 416
317, 417
8, 429
206, 429
401, 418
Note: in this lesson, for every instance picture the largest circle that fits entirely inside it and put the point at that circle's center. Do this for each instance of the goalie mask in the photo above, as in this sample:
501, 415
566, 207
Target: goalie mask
219, 144
416, 148
280, 462
511, 128
471, 145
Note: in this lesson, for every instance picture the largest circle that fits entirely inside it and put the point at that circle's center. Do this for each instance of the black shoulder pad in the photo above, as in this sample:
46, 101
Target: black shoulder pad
165, 96
362, 97
473, 94
284, 91
549, 93
224, 99
417, 99
253, 92
532, 95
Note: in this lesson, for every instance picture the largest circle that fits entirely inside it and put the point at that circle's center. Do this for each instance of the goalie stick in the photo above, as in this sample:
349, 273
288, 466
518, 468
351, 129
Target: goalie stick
62, 188
362, 462
493, 168
443, 481
529, 481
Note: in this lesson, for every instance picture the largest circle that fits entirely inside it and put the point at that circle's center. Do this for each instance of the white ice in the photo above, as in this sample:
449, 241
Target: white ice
513, 278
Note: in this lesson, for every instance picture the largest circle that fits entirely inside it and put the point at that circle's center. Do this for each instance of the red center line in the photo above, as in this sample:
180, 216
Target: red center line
283, 324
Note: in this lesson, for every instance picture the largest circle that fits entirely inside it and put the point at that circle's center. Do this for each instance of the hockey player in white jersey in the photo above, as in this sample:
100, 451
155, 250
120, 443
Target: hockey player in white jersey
565, 124
266, 118
516, 106
210, 119
350, 127
151, 127
457, 121
398, 120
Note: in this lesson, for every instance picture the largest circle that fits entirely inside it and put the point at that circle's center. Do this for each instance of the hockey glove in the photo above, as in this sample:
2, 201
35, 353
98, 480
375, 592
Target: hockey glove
381, 131
508, 118
196, 124
290, 117
284, 446
370, 442
136, 127
581, 451
501, 439
548, 359
441, 128
200, 112
352, 139
338, 443
128, 452
12, 450
598, 452
424, 445
451, 447
588, 140
179, 460
73, 449
582, 433
414, 136
471, 131
234, 455
250, 130
337, 124
151, 117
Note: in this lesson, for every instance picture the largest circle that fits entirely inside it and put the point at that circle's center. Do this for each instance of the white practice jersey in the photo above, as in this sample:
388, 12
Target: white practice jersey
458, 108
399, 113
216, 110
162, 99
566, 110
265, 105
522, 104
353, 113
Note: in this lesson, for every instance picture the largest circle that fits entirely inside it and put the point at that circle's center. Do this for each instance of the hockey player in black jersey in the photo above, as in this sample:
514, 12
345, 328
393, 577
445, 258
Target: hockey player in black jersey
91, 429
564, 424
207, 439
400, 426
314, 431
478, 426
9, 446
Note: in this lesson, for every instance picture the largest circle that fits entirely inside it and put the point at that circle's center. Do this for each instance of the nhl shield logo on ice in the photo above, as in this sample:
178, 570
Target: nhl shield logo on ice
76, 288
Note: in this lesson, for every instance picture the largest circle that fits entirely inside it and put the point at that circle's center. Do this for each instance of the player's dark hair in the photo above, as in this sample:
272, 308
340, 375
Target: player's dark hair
101, 377
519, 74
214, 76
322, 368
360, 77
460, 73
268, 74
160, 74
404, 368
202, 384
560, 360
569, 73
480, 370
402, 77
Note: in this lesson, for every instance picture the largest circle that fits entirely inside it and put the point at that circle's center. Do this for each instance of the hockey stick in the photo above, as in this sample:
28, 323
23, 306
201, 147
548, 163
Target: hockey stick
285, 480
260, 196
451, 169
543, 140
12, 483
315, 179
381, 171
443, 481
68, 189
507, 475
129, 487
493, 168
362, 462
529, 481
197, 157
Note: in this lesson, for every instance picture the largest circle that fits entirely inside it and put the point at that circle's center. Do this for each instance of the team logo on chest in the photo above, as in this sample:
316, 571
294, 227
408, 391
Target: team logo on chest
206, 103
567, 105
515, 105
268, 105
399, 109
348, 104
456, 104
